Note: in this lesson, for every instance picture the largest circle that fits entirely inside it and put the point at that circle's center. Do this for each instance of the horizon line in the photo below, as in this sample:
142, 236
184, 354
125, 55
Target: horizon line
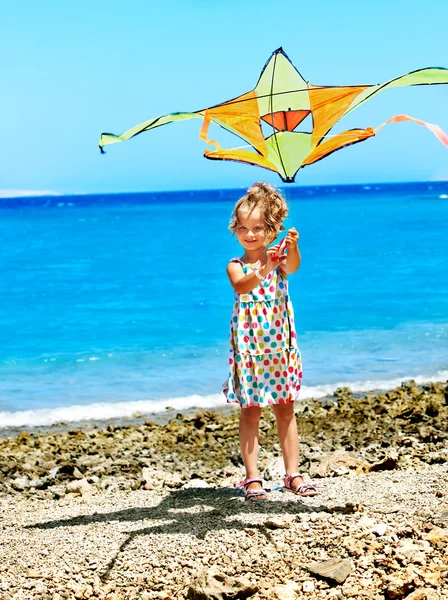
10, 194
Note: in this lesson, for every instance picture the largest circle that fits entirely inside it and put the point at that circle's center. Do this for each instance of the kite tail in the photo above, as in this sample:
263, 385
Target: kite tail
435, 129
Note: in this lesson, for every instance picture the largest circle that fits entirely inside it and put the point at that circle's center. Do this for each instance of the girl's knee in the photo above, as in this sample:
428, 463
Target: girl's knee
284, 412
252, 413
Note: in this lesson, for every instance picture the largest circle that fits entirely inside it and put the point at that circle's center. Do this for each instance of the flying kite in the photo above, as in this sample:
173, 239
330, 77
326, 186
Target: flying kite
280, 102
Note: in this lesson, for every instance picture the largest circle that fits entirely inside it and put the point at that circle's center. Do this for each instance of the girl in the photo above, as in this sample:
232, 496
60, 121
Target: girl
265, 362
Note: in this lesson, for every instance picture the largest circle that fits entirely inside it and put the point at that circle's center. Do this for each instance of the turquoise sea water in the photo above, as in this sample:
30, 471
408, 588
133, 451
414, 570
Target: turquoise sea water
121, 302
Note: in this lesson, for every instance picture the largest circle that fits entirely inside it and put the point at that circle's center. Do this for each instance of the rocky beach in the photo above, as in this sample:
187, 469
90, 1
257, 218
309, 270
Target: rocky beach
147, 509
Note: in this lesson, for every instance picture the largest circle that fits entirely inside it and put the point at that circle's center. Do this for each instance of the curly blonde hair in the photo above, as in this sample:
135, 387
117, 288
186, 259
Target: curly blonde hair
272, 206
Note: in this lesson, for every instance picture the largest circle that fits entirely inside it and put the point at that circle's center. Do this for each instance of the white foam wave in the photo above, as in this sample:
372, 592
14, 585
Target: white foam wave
319, 391
103, 410
443, 196
99, 411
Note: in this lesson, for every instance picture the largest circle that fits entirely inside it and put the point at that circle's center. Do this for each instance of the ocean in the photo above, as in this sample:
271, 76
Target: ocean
112, 304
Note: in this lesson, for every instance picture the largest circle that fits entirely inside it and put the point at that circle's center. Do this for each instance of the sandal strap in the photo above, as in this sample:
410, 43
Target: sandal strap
247, 482
288, 479
255, 494
306, 487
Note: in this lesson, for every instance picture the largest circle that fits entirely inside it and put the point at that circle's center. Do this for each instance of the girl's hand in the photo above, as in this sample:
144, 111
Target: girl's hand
292, 237
272, 259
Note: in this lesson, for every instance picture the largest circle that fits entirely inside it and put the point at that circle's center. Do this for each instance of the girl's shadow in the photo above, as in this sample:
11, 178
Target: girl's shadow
178, 513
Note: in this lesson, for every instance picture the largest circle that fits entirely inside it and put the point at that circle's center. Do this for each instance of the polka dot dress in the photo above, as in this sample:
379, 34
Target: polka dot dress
265, 365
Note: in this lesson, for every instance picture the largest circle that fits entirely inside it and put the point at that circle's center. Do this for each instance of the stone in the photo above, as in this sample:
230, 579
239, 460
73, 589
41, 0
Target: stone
308, 586
398, 586
388, 464
334, 464
276, 523
173, 480
437, 534
20, 484
423, 594
274, 471
153, 479
78, 486
441, 519
366, 522
380, 529
337, 569
196, 483
287, 591
68, 471
412, 552
35, 574
212, 585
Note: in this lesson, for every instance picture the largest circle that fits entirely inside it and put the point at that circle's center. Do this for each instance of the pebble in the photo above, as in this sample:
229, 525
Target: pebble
308, 586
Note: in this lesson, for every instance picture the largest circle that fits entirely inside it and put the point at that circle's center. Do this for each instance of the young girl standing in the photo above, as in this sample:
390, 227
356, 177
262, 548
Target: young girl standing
265, 362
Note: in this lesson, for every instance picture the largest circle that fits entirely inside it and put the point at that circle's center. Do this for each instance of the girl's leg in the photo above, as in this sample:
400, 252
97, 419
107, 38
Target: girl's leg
289, 439
249, 426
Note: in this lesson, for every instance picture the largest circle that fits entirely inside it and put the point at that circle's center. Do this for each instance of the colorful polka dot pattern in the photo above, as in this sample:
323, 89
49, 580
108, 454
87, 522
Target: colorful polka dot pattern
265, 365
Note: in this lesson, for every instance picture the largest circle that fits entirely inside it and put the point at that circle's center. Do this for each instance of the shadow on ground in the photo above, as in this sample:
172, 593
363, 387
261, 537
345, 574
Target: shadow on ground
221, 510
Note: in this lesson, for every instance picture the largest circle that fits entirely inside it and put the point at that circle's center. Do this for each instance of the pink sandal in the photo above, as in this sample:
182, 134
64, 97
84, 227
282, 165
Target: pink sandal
259, 494
305, 489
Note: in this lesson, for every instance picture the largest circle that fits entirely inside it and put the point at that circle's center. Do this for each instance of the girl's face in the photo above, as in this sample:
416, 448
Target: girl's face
250, 229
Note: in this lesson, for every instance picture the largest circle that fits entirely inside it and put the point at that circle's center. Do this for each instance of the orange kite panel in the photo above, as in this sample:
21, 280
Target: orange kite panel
240, 115
328, 105
346, 138
286, 120
244, 156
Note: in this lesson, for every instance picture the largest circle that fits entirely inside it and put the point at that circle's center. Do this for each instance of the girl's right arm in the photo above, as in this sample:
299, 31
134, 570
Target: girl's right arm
241, 283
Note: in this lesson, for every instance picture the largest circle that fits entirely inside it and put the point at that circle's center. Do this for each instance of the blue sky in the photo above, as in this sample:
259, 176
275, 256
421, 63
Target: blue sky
72, 70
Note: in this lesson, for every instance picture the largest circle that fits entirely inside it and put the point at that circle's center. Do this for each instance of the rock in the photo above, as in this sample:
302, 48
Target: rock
412, 552
388, 464
366, 522
23, 437
353, 546
287, 591
212, 585
334, 464
173, 480
308, 586
437, 534
69, 471
423, 594
274, 471
35, 574
79, 486
441, 519
380, 529
276, 523
196, 483
337, 569
398, 586
153, 479
20, 484
53, 472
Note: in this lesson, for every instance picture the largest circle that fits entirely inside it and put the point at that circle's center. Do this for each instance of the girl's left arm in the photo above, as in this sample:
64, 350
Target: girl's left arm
291, 262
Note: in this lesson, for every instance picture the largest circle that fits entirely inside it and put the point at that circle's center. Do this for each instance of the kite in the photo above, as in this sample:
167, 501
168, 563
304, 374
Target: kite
281, 101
